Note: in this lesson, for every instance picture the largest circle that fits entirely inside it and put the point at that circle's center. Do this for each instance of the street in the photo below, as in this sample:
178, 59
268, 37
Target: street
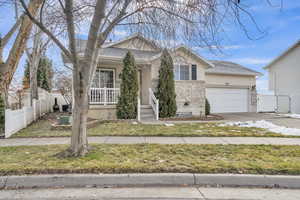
150, 193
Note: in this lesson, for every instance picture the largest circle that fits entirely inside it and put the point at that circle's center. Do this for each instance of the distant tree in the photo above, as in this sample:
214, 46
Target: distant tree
44, 74
26, 77
127, 104
166, 87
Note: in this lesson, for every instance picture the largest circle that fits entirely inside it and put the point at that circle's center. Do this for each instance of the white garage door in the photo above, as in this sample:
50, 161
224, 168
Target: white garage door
223, 100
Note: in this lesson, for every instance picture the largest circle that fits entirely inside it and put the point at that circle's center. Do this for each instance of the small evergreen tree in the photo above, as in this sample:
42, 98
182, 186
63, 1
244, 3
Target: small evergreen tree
2, 114
166, 87
44, 74
207, 107
127, 104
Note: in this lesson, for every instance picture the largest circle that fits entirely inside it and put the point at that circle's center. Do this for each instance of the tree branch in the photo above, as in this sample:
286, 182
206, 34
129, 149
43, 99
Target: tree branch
6, 38
44, 29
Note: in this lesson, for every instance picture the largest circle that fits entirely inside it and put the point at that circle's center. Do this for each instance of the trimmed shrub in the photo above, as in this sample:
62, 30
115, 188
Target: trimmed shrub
166, 87
207, 107
127, 104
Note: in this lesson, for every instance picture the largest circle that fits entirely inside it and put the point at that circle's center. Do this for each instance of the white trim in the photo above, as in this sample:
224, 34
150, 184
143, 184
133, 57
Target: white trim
195, 54
282, 54
135, 35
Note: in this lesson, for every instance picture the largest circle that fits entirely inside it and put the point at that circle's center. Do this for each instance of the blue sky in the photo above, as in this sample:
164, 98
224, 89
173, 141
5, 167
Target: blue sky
281, 24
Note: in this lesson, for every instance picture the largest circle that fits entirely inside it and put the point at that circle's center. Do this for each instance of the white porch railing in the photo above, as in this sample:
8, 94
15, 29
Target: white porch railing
154, 102
104, 95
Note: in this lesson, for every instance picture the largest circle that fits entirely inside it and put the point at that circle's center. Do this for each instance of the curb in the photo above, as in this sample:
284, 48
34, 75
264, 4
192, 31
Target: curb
163, 179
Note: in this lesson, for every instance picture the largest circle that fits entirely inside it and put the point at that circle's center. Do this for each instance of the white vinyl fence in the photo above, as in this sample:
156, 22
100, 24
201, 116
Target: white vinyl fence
273, 103
16, 120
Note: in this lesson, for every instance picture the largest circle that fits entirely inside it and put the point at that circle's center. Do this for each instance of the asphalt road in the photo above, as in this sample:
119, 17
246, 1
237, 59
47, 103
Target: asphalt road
151, 193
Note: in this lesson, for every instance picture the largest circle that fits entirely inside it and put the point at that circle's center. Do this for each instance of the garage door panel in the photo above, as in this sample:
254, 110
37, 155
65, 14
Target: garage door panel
223, 100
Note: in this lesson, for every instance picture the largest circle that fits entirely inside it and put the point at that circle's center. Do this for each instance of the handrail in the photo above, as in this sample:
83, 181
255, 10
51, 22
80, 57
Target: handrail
154, 102
139, 109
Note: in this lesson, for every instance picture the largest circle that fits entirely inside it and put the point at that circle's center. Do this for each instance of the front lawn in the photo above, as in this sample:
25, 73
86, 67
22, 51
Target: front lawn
42, 128
153, 158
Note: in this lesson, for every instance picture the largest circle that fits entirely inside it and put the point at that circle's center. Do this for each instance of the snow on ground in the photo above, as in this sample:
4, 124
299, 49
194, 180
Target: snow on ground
266, 125
297, 116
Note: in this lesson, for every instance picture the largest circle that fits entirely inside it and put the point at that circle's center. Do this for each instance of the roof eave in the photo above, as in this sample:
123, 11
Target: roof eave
282, 55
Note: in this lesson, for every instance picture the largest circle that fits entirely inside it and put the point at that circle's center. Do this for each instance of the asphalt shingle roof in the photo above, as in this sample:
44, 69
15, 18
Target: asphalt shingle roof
225, 67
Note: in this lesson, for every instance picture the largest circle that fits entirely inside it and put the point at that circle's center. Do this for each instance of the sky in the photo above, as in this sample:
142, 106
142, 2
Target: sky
280, 23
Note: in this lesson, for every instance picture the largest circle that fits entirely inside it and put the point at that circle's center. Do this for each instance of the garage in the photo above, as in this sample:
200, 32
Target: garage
227, 100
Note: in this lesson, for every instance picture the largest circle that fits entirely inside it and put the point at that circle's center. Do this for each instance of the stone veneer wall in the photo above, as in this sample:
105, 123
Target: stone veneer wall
193, 93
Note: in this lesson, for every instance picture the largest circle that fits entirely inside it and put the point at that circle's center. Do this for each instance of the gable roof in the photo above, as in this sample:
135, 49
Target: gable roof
195, 55
283, 54
131, 37
230, 68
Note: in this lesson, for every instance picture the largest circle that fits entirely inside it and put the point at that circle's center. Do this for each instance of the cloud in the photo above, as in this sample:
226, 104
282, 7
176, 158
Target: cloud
252, 61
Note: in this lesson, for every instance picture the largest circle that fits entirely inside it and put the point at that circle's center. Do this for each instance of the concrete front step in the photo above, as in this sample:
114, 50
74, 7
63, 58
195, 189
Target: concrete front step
146, 106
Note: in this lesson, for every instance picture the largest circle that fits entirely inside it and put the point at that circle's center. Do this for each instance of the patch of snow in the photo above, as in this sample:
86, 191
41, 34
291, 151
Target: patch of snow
266, 125
135, 123
297, 116
169, 124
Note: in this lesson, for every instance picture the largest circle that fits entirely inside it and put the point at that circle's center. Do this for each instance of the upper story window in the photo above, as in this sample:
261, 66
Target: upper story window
185, 72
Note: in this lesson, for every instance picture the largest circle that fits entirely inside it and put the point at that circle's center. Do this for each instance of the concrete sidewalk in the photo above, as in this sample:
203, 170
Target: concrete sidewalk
152, 193
152, 179
154, 140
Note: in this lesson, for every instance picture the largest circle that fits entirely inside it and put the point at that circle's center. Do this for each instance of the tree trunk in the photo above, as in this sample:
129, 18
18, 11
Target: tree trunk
33, 81
79, 142
9, 67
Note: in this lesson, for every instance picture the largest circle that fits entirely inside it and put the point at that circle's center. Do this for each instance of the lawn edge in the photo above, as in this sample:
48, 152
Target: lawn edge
152, 179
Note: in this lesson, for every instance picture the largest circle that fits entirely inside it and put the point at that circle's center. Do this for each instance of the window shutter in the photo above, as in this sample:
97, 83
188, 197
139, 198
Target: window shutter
194, 72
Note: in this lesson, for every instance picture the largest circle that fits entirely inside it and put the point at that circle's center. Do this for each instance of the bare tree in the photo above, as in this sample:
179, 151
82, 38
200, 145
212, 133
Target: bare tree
193, 21
8, 67
34, 55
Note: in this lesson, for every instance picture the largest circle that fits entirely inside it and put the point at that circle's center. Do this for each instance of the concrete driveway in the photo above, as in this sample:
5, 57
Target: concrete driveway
271, 117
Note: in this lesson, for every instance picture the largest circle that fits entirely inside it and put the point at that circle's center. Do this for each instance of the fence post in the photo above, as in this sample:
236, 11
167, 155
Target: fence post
24, 117
40, 104
34, 109
6, 123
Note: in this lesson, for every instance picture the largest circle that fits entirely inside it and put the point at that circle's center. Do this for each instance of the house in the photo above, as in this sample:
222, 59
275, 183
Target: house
229, 87
284, 73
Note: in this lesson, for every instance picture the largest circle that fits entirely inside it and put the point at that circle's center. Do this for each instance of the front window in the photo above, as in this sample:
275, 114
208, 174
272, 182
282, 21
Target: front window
181, 72
103, 79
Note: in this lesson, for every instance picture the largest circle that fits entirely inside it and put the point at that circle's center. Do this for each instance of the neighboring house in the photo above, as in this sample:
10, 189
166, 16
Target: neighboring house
230, 87
284, 76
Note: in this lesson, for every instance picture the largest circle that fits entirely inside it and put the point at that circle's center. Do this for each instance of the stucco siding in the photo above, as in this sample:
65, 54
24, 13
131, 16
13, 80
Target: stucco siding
284, 78
284, 74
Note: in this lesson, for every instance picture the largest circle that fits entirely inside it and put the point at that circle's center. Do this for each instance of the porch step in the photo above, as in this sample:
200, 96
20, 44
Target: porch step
146, 107
147, 113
